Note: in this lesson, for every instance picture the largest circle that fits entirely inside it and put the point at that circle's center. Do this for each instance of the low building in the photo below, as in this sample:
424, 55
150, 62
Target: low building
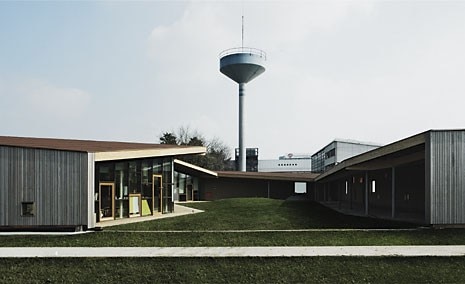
337, 151
75, 184
287, 163
255, 184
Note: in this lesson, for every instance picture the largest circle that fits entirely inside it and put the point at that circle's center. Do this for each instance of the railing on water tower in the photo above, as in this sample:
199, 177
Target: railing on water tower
246, 50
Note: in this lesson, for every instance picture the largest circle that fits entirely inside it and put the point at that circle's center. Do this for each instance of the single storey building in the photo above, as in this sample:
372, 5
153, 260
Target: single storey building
75, 184
255, 184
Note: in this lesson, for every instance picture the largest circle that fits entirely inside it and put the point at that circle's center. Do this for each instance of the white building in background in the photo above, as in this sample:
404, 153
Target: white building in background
337, 151
288, 163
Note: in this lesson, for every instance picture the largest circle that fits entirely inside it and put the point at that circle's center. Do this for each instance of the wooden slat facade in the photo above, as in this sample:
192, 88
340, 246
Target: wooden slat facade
55, 181
446, 177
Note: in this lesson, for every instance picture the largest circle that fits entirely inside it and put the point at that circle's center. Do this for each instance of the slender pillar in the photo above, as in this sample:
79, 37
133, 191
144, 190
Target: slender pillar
242, 157
366, 193
121, 192
393, 193
324, 191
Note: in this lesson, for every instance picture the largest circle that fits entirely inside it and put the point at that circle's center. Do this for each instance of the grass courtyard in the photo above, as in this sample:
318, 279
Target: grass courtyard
208, 229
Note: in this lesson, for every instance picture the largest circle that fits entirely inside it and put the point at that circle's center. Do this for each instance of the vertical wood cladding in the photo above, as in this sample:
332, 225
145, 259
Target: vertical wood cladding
447, 177
220, 188
55, 181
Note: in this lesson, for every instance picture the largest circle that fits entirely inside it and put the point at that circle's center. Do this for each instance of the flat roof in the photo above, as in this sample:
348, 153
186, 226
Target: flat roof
103, 150
348, 141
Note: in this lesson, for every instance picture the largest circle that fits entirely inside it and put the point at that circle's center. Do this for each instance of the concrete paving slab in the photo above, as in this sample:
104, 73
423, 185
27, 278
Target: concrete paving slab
179, 210
261, 231
232, 251
44, 233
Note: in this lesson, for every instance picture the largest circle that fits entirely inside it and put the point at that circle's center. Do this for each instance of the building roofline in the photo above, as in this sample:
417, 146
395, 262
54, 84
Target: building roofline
103, 150
147, 153
350, 141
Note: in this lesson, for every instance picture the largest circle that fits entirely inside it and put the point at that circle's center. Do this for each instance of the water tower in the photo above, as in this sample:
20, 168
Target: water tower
242, 65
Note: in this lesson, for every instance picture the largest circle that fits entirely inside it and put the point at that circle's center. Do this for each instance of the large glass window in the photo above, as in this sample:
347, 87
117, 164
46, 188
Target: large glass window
134, 177
147, 189
135, 193
167, 186
122, 192
106, 172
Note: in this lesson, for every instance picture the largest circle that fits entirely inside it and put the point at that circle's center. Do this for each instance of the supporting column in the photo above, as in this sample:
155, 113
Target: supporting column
366, 193
324, 192
351, 186
268, 189
121, 185
242, 157
393, 192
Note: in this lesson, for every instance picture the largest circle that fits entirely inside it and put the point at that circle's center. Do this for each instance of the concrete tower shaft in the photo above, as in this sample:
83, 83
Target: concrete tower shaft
242, 65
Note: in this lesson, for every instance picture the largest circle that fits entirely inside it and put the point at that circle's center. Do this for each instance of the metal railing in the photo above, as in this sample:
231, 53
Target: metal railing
246, 50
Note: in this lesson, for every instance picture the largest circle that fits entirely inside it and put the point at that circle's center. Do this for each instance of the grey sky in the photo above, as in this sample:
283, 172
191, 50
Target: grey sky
365, 70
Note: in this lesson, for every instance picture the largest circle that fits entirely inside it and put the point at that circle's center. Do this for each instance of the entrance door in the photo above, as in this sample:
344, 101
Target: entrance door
157, 187
147, 201
107, 201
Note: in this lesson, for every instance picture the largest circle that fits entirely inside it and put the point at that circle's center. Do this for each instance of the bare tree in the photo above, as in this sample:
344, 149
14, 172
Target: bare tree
218, 153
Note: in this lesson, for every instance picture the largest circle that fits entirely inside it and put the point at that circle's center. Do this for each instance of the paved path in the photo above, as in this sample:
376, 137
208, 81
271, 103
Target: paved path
179, 210
22, 252
260, 231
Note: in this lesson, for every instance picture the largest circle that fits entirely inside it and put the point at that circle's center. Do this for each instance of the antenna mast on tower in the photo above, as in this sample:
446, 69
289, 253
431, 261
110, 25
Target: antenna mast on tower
242, 30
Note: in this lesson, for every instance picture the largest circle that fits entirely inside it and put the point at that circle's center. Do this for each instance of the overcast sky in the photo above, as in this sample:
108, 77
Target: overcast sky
125, 71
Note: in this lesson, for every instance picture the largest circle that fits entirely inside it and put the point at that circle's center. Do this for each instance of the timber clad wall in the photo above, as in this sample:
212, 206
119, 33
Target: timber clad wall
56, 181
447, 177
214, 189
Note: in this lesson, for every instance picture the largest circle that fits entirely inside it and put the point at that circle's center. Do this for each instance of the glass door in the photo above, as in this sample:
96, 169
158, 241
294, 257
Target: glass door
157, 190
107, 201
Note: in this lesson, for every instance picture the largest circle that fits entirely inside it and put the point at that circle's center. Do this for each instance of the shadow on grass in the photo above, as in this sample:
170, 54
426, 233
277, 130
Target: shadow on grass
320, 216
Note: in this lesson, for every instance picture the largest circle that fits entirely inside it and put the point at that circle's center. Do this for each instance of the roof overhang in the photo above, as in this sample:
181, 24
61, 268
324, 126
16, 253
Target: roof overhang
103, 150
193, 170
147, 153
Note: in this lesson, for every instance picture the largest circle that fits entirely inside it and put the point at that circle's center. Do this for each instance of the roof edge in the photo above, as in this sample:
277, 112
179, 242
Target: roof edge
195, 168
146, 153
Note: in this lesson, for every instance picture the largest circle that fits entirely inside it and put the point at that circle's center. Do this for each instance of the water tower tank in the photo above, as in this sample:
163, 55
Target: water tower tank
242, 65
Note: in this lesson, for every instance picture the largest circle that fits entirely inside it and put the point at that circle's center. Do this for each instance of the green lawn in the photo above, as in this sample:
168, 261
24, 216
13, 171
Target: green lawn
236, 214
259, 214
235, 270
253, 213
